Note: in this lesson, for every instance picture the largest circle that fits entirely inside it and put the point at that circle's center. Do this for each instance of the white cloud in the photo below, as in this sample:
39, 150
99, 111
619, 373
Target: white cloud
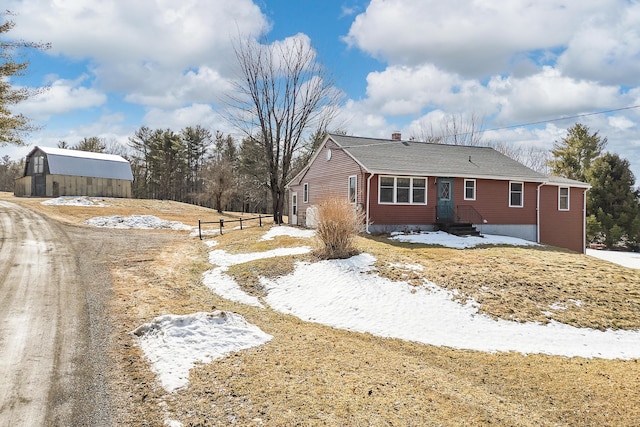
469, 37
62, 96
548, 95
179, 118
201, 85
607, 47
147, 46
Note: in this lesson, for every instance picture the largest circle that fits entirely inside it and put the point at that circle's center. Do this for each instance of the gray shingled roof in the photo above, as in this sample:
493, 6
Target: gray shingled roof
84, 163
385, 156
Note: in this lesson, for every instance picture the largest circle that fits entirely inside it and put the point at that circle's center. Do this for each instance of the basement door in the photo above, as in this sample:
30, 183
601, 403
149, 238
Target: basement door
444, 209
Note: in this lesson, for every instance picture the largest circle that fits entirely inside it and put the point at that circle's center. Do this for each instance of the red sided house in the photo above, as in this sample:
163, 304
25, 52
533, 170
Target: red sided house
409, 185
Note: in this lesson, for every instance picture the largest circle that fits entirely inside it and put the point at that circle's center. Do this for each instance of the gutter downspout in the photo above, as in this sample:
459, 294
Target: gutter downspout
368, 202
538, 212
584, 222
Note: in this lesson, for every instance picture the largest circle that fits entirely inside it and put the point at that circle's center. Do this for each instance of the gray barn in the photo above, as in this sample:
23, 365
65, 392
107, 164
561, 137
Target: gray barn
54, 172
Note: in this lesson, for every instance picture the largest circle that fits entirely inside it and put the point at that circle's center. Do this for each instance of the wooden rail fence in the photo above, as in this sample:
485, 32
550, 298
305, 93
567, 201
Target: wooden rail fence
222, 222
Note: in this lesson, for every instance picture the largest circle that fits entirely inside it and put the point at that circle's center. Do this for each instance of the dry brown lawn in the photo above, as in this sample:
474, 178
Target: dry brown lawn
311, 375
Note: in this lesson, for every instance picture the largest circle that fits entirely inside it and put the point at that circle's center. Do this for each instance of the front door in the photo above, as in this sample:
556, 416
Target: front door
294, 208
444, 209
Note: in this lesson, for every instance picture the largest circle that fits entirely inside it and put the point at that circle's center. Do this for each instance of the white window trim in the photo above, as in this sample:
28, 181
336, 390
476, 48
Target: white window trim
474, 189
355, 189
568, 208
521, 205
305, 192
395, 190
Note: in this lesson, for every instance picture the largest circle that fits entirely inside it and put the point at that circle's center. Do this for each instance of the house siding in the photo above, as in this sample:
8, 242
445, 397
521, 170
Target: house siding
559, 227
492, 202
382, 214
327, 178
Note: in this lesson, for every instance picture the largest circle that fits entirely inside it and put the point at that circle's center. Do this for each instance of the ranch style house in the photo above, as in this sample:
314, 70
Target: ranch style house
418, 186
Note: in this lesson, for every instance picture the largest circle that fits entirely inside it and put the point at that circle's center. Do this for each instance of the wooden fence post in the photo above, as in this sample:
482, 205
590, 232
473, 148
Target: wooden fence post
221, 225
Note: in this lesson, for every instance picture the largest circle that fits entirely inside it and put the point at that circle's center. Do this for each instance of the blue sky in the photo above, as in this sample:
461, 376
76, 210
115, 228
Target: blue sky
402, 65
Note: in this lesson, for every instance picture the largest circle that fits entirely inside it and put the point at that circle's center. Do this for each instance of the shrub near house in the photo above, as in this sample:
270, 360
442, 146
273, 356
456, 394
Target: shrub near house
408, 185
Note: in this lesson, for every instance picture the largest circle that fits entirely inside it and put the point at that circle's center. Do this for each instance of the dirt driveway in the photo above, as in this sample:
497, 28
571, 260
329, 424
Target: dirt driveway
54, 332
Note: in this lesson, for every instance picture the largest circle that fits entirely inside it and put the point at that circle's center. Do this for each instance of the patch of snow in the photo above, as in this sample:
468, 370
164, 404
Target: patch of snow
347, 294
145, 222
563, 306
284, 230
211, 243
172, 423
224, 259
625, 259
224, 285
174, 343
459, 242
74, 201
412, 267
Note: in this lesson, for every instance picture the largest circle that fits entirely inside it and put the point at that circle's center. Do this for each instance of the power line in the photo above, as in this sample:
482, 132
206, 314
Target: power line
556, 119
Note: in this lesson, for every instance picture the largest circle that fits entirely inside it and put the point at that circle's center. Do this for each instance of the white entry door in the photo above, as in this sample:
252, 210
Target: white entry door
294, 208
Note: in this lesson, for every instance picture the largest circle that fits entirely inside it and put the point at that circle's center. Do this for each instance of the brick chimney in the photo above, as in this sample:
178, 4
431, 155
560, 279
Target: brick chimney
396, 136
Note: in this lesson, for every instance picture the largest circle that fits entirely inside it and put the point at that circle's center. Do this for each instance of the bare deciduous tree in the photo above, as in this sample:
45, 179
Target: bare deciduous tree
282, 93
533, 157
453, 129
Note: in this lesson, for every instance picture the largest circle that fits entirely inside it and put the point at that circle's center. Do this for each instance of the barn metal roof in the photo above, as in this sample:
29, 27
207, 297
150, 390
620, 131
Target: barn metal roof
394, 157
83, 163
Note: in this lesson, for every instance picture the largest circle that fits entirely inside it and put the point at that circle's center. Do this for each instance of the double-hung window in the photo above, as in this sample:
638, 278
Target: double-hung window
305, 192
516, 194
469, 189
402, 190
563, 198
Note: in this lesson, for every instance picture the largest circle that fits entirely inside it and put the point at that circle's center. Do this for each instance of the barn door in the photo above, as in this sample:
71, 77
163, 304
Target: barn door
445, 200
39, 183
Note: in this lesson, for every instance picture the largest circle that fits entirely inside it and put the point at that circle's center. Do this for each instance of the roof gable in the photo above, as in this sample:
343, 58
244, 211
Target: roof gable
384, 156
83, 163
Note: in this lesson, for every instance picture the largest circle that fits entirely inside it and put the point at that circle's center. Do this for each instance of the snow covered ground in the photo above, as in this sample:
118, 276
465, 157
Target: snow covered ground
145, 222
626, 259
173, 344
349, 294
459, 242
300, 233
75, 201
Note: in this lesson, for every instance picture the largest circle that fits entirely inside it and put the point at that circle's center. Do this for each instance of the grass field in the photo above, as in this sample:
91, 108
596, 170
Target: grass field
310, 374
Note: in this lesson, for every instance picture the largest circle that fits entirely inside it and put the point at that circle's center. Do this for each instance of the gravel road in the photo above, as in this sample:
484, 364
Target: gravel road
55, 286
